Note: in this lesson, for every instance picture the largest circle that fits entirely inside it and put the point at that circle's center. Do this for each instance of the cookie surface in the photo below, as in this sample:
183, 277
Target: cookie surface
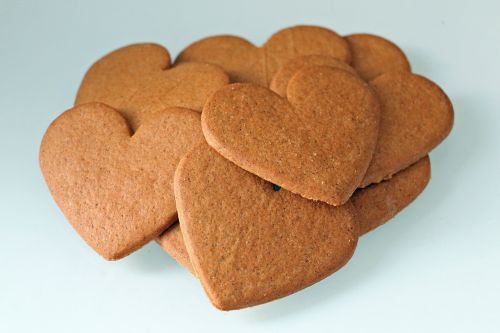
244, 62
280, 80
250, 244
172, 242
116, 188
318, 143
373, 55
416, 115
377, 203
138, 80
373, 206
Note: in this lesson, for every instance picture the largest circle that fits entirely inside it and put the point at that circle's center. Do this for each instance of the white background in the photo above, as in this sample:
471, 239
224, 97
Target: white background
435, 268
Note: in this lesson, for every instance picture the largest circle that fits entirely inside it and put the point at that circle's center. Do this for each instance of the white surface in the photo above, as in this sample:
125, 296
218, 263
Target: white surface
435, 268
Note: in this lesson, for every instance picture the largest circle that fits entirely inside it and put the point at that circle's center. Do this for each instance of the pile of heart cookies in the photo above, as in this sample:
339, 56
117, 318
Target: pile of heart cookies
256, 168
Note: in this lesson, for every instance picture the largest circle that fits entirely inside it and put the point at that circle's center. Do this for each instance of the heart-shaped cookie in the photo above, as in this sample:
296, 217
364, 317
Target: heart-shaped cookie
373, 55
138, 79
415, 116
373, 206
317, 143
244, 62
116, 188
250, 244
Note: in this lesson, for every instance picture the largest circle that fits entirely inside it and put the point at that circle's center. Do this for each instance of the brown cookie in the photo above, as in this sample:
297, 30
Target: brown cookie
250, 64
373, 205
172, 242
280, 80
116, 188
138, 79
373, 55
378, 203
318, 143
416, 115
250, 244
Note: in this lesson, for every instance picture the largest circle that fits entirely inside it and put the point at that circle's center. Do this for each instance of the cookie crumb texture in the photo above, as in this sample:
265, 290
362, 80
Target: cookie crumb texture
114, 188
249, 244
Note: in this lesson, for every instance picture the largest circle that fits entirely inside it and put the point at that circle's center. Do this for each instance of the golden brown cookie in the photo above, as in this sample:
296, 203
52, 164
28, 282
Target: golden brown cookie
250, 64
138, 79
416, 115
318, 143
377, 203
373, 55
280, 80
250, 244
171, 241
373, 205
115, 188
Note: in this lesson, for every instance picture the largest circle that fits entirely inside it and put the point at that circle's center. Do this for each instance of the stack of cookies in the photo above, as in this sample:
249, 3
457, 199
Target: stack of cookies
256, 168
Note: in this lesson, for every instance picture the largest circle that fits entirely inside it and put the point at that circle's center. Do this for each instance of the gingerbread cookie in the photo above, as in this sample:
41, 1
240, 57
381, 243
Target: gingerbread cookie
138, 79
318, 143
115, 188
373, 55
373, 205
250, 64
249, 243
416, 115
